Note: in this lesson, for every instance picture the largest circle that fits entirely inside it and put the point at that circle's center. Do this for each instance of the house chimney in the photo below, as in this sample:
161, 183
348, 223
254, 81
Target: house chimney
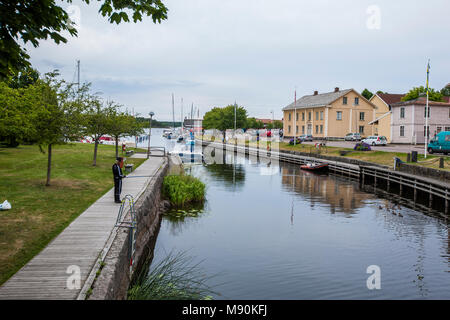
336, 89
316, 93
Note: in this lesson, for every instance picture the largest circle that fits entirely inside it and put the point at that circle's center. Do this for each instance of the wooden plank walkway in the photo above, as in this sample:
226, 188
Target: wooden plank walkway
46, 275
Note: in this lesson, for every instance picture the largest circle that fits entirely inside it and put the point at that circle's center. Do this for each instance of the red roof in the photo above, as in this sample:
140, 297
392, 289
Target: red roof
266, 121
422, 101
391, 98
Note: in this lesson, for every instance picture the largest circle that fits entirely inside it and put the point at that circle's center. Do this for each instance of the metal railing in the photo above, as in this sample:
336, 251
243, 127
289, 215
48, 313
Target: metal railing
131, 224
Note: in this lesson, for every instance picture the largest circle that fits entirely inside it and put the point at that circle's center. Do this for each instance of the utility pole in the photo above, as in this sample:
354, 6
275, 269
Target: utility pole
427, 112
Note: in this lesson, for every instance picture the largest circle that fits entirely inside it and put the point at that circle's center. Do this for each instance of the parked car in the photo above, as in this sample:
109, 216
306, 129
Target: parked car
352, 137
306, 137
440, 143
376, 140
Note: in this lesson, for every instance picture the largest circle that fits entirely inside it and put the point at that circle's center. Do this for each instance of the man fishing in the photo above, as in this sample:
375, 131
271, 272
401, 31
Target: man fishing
118, 176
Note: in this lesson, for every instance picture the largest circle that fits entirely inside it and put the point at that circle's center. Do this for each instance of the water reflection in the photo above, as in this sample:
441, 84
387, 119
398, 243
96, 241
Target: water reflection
287, 235
331, 190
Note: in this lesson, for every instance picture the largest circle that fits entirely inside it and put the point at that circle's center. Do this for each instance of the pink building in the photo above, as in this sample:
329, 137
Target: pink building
408, 120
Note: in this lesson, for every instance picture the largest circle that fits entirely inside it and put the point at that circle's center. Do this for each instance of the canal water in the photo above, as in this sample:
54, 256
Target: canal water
273, 231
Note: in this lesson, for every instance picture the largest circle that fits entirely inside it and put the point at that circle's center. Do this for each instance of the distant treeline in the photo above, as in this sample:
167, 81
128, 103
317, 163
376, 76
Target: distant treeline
156, 123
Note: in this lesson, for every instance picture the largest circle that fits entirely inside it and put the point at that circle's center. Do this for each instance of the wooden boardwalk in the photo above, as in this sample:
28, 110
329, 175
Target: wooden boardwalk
77, 247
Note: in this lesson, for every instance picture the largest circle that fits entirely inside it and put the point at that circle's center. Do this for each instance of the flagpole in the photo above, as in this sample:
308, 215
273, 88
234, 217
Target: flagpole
427, 112
295, 116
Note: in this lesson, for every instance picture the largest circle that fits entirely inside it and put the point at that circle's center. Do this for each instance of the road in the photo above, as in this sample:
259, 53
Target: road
406, 148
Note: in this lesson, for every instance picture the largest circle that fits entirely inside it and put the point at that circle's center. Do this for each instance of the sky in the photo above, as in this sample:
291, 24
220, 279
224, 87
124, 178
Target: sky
211, 53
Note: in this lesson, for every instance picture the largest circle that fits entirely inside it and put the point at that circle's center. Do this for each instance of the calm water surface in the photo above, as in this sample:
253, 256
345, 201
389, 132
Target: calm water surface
297, 235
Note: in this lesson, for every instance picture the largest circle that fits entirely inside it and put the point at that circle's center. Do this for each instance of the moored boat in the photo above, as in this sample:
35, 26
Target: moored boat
315, 166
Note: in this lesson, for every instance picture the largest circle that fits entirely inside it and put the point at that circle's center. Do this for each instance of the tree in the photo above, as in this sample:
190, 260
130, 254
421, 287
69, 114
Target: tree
367, 94
417, 92
23, 78
17, 114
223, 118
253, 123
98, 120
57, 114
123, 124
32, 21
277, 124
446, 90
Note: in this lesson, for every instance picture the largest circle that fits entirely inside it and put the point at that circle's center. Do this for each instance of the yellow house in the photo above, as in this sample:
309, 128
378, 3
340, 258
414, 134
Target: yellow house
329, 115
382, 119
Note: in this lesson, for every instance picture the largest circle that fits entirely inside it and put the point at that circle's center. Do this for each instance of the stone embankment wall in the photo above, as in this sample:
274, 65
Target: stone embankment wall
114, 277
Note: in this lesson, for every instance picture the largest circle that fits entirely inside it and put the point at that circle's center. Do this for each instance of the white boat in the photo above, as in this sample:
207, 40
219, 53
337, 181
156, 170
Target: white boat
167, 133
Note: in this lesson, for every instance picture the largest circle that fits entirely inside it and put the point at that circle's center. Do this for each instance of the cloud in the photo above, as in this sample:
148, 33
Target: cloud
256, 52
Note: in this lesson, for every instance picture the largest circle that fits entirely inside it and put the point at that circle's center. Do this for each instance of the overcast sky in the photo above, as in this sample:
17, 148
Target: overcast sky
257, 52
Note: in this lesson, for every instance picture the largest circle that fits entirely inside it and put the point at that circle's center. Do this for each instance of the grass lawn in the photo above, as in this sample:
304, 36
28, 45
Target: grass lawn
40, 213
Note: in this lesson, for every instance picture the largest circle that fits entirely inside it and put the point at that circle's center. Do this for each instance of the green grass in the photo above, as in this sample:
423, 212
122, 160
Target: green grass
183, 189
40, 213
176, 277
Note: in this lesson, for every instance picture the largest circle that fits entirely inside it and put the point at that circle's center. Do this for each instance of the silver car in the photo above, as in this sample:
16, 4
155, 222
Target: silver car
352, 137
376, 141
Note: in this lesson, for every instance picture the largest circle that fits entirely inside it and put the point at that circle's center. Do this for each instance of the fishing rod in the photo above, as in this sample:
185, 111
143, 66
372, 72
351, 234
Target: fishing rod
139, 177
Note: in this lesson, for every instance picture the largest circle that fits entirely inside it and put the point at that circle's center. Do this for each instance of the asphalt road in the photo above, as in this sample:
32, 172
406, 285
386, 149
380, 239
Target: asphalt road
406, 148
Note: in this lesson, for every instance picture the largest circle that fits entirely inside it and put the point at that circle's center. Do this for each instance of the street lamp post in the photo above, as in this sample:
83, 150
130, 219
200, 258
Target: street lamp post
150, 133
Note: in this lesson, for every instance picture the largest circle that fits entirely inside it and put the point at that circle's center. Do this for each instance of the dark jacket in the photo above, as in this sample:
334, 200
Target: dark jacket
117, 172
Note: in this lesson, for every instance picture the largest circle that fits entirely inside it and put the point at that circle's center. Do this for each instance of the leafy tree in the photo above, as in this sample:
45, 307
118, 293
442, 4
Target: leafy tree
223, 118
417, 92
98, 120
381, 92
58, 113
123, 124
16, 114
23, 78
32, 21
446, 91
253, 123
367, 94
277, 124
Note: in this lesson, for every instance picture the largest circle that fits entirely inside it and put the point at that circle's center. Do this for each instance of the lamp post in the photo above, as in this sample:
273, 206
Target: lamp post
150, 133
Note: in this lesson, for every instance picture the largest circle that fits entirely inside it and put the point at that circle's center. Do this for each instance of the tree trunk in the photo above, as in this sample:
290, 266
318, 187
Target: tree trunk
117, 147
95, 152
49, 164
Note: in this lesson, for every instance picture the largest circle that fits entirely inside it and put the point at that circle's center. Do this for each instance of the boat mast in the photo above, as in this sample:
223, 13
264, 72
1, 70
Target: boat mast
182, 122
173, 111
78, 69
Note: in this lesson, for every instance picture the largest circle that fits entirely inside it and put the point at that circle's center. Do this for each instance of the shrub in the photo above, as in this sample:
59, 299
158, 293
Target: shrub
183, 189
361, 146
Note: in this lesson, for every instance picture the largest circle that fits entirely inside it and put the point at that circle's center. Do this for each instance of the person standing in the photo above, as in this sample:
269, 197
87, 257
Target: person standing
118, 176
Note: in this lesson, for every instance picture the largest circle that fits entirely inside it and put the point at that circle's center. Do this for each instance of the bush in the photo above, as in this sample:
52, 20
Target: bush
183, 189
361, 146
298, 141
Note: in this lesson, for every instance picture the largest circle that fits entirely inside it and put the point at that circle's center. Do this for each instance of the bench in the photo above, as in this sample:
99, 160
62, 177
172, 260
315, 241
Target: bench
129, 152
